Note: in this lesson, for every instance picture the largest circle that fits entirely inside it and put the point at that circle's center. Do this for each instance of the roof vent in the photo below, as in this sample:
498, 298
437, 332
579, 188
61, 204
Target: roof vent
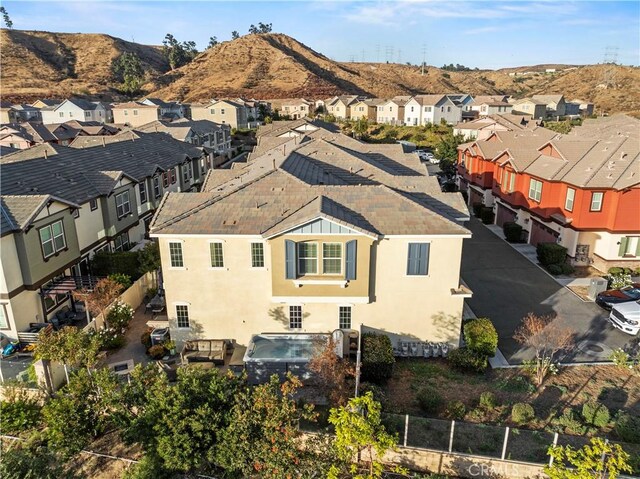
610, 165
623, 155
229, 223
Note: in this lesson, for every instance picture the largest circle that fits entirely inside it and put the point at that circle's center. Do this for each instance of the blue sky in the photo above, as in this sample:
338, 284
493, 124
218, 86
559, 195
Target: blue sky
474, 33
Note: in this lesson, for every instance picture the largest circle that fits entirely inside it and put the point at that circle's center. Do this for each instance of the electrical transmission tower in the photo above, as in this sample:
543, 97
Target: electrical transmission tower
399, 56
388, 53
424, 57
377, 53
610, 61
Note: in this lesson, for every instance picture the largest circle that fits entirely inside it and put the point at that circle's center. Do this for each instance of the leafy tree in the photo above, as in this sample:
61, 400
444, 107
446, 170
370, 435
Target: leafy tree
359, 432
80, 411
149, 258
32, 461
332, 372
178, 53
264, 27
5, 18
127, 70
360, 127
19, 410
263, 438
235, 35
253, 30
98, 299
213, 41
546, 338
69, 346
597, 460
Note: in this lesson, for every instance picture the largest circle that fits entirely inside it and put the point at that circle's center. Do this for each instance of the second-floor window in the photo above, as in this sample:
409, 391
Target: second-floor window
568, 203
143, 192
175, 255
121, 242
332, 258
418, 259
217, 258
295, 317
172, 172
257, 255
535, 190
52, 239
123, 206
156, 187
165, 179
93, 204
307, 258
596, 201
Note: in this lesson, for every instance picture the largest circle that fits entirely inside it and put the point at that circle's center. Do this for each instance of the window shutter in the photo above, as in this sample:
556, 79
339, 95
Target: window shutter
350, 260
623, 245
412, 259
290, 259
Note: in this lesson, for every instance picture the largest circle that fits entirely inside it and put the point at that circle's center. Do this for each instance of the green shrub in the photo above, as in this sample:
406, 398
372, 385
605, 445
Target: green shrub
456, 410
595, 413
567, 268
122, 279
522, 413
512, 232
627, 428
619, 281
636, 272
571, 423
157, 351
145, 339
488, 400
554, 269
429, 400
551, 253
487, 215
377, 357
615, 270
121, 262
379, 393
481, 336
466, 360
18, 412
119, 315
477, 209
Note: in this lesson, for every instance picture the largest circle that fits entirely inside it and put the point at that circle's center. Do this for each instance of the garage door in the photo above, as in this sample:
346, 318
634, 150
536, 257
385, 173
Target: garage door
504, 215
542, 234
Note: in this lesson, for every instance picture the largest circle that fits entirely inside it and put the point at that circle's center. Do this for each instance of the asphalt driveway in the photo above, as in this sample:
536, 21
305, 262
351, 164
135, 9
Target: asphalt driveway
506, 286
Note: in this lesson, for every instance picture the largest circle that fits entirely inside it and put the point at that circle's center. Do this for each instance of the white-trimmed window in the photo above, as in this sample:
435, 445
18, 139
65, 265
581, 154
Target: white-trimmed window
568, 203
344, 317
52, 239
307, 258
172, 173
257, 255
182, 315
217, 257
156, 187
93, 204
175, 254
165, 179
185, 173
596, 201
4, 321
143, 191
332, 258
123, 205
535, 190
295, 317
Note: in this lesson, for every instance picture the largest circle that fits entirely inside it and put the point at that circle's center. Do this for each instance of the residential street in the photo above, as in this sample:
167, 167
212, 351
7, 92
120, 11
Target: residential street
506, 286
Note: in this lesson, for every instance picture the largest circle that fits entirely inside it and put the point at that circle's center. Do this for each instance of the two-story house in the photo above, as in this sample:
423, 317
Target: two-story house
224, 112
317, 234
297, 108
426, 109
485, 126
134, 113
167, 110
60, 207
391, 111
27, 113
340, 106
579, 190
7, 113
76, 109
528, 106
555, 104
367, 109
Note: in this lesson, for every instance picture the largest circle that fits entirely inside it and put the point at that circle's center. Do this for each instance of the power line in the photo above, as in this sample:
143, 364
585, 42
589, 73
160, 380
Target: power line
610, 61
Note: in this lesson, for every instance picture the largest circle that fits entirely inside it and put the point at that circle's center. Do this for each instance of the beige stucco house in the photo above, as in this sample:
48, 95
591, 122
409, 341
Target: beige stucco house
288, 243
365, 109
224, 112
340, 106
297, 108
134, 113
528, 106
392, 111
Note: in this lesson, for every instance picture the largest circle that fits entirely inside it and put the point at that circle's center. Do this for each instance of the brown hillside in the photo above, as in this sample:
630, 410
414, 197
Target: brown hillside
36, 64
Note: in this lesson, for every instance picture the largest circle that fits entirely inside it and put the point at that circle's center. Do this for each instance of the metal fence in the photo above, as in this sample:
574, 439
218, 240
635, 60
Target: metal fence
497, 442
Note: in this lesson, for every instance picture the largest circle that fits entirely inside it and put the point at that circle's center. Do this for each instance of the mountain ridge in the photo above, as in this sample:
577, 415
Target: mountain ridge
276, 66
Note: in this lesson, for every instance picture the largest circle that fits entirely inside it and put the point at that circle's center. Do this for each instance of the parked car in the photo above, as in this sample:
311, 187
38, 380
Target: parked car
626, 317
607, 299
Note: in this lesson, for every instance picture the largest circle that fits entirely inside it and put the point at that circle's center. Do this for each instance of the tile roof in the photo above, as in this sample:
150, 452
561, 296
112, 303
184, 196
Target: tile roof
17, 212
546, 99
77, 174
376, 189
36, 151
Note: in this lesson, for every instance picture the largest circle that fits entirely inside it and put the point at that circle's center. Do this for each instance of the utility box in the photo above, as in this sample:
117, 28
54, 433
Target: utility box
597, 285
159, 336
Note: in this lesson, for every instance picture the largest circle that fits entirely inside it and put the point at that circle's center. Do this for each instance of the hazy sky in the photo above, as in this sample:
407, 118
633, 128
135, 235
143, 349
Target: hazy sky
474, 33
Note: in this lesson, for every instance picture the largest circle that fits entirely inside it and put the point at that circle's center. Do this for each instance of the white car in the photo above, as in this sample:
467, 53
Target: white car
626, 317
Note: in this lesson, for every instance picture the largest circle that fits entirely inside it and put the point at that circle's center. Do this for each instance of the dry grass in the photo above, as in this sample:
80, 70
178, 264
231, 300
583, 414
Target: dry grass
582, 291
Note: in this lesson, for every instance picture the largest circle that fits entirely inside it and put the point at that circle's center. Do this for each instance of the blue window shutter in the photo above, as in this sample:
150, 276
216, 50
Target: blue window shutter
350, 260
423, 268
412, 266
290, 259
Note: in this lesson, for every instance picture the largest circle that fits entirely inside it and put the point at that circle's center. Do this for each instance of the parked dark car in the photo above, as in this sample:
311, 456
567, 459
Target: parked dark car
608, 298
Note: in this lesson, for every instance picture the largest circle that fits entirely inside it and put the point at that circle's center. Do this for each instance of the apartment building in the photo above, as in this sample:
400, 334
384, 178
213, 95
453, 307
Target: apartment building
317, 232
580, 190
60, 205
